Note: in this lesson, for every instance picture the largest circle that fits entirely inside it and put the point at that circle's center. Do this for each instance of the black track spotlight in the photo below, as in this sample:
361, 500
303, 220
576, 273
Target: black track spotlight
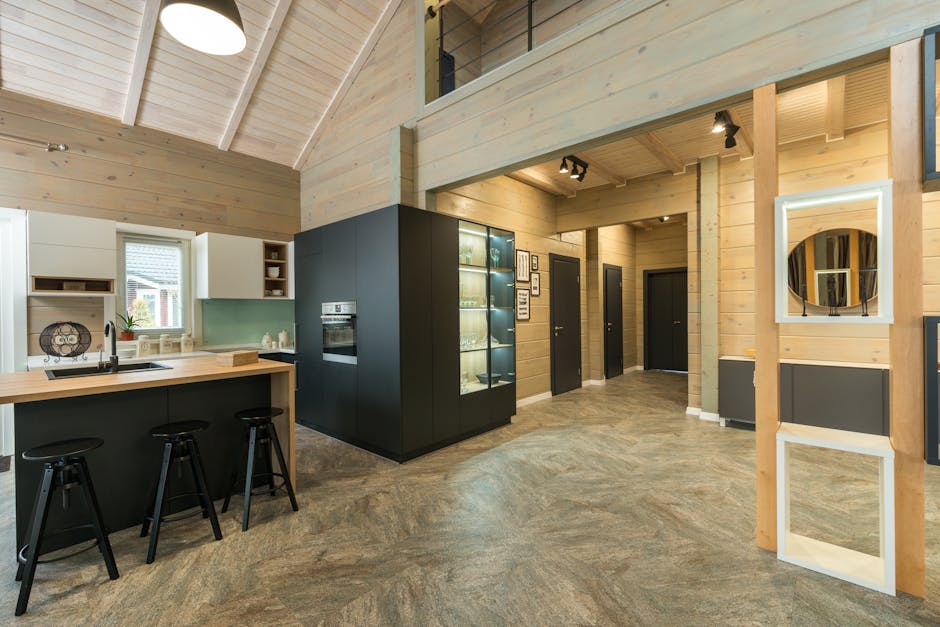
574, 167
724, 124
664, 219
720, 122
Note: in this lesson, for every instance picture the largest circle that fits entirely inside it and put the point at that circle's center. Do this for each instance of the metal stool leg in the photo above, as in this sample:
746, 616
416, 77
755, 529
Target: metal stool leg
159, 501
195, 462
37, 503
280, 460
269, 465
91, 499
249, 472
37, 527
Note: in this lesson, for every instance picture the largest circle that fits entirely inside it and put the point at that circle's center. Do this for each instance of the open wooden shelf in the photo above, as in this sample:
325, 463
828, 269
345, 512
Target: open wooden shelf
72, 286
279, 250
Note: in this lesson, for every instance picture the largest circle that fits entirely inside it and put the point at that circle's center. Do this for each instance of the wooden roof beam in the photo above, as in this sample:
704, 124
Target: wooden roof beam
254, 73
599, 170
390, 7
531, 176
148, 25
662, 152
835, 109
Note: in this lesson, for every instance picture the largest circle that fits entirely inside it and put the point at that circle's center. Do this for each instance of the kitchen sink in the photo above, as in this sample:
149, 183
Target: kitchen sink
93, 371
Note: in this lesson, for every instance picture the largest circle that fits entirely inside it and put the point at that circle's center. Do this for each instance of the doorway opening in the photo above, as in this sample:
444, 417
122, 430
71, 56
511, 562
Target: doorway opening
565, 321
666, 320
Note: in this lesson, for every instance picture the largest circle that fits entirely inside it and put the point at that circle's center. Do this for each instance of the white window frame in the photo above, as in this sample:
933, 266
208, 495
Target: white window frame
185, 291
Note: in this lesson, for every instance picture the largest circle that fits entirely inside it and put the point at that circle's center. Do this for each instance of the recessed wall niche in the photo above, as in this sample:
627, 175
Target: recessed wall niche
833, 255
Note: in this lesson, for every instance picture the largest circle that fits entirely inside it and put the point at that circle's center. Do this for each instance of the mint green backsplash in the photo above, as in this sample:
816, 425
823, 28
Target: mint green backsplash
245, 321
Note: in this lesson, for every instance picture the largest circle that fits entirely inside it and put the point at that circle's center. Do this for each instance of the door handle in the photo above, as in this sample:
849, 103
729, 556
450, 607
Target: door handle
677, 322
558, 328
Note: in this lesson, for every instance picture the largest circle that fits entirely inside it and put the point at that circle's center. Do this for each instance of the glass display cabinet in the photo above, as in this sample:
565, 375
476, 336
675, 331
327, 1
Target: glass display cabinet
486, 286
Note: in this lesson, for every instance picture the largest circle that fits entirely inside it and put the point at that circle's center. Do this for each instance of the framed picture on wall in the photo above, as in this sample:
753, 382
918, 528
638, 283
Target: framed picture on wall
522, 265
535, 283
522, 303
535, 263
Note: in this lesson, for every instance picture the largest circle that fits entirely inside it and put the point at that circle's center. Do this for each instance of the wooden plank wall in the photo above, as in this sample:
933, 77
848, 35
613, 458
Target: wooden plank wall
41, 311
662, 246
462, 39
504, 32
138, 175
508, 204
617, 246
600, 79
803, 166
348, 172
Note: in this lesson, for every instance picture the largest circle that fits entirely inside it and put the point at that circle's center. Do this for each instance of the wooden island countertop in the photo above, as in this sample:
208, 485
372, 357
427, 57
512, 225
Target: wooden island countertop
25, 387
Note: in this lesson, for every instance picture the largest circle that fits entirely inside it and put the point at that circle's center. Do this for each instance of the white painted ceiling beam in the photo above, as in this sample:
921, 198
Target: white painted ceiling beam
148, 24
390, 7
254, 73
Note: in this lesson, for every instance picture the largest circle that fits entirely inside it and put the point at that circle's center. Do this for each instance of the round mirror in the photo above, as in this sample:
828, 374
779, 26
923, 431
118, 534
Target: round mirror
835, 268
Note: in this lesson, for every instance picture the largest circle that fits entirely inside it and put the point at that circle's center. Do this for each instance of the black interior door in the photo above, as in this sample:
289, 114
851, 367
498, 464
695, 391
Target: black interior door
565, 304
613, 321
666, 320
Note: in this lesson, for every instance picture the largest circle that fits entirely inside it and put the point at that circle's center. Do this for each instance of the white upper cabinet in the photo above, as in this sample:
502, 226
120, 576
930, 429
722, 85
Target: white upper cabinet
71, 247
230, 266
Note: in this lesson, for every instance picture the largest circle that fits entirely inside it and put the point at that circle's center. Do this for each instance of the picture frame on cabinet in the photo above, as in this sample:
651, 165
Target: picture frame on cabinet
535, 283
522, 265
522, 303
535, 264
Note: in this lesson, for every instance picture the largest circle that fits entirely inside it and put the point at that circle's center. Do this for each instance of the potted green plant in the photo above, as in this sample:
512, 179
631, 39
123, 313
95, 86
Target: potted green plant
129, 324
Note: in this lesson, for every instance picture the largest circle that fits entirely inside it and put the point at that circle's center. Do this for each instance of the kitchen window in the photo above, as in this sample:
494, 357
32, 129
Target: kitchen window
154, 286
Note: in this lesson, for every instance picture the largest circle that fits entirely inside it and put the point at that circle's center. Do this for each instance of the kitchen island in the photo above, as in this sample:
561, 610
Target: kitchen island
121, 409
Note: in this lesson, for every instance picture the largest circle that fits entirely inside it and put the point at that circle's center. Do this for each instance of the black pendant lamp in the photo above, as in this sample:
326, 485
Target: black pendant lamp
210, 26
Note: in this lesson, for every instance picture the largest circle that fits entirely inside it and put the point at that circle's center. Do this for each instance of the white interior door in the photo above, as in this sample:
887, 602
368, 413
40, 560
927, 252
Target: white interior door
13, 334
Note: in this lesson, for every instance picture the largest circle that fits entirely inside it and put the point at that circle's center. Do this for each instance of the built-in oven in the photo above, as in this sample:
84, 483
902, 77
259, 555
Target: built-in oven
339, 332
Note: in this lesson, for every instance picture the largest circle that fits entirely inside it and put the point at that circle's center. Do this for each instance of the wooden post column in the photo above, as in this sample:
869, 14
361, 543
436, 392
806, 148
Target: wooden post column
907, 341
709, 262
766, 369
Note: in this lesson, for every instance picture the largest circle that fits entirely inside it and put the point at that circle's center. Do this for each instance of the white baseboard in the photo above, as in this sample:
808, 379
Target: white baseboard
584, 384
522, 402
709, 416
632, 369
693, 411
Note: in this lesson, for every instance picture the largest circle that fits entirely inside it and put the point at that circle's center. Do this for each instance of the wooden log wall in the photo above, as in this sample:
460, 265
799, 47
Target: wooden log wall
349, 169
139, 175
508, 204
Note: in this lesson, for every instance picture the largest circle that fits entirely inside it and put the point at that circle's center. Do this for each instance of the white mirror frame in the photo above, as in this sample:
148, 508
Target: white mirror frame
879, 190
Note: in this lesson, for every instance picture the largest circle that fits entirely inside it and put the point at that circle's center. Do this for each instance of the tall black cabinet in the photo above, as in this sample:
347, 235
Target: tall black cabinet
412, 389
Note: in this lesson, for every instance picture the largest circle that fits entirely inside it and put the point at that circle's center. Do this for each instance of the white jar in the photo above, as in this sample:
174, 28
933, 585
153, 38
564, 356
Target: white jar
144, 346
166, 343
186, 343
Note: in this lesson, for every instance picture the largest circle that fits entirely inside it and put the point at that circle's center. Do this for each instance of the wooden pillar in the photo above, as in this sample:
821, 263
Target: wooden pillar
766, 369
401, 157
709, 263
432, 43
907, 343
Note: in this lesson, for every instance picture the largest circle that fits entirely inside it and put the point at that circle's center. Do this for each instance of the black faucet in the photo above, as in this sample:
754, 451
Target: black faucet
110, 329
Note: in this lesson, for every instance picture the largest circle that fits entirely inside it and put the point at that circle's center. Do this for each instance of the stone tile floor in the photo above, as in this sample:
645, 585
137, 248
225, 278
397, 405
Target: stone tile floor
607, 505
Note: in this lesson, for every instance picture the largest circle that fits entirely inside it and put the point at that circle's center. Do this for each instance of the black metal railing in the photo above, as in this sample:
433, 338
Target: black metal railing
448, 57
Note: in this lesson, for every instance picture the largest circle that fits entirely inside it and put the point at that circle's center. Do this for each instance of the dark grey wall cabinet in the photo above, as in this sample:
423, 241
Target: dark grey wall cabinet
736, 390
402, 398
836, 397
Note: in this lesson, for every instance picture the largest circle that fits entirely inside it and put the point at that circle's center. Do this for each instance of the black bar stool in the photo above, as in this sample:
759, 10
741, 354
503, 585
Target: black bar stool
261, 432
179, 445
63, 468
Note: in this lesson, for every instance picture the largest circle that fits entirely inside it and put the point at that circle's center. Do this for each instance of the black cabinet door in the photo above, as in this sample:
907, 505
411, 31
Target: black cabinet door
666, 333
378, 414
308, 262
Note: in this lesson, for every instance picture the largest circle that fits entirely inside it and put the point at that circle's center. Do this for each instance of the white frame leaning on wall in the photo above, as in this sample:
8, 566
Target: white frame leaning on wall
878, 190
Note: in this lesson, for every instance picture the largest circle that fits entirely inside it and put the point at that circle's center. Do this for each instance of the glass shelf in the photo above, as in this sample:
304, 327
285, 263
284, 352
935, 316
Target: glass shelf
487, 334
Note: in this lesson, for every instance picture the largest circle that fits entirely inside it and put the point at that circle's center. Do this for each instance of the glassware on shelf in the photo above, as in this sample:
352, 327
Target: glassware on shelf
494, 257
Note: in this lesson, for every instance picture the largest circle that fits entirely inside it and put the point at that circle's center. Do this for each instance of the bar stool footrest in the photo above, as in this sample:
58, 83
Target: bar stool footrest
21, 554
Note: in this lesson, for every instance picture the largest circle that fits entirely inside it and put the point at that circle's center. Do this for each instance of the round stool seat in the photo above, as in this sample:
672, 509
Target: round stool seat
177, 429
259, 414
63, 448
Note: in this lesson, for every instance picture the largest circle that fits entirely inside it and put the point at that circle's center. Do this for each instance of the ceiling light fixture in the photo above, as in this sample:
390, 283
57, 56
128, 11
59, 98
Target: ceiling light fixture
49, 146
664, 219
724, 124
210, 26
578, 167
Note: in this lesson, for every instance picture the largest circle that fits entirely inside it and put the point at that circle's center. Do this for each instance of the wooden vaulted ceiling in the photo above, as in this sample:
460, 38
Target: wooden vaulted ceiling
825, 108
112, 57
